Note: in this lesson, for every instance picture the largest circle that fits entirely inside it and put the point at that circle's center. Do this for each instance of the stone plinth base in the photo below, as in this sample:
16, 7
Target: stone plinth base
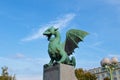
59, 72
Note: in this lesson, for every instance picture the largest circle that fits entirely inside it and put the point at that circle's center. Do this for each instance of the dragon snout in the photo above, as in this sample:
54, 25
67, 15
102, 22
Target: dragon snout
45, 33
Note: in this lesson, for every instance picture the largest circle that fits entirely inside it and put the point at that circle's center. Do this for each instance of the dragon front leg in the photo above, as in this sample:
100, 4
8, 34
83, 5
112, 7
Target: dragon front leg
49, 64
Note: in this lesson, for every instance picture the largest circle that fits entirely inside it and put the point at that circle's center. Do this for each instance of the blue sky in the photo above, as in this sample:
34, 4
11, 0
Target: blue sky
23, 48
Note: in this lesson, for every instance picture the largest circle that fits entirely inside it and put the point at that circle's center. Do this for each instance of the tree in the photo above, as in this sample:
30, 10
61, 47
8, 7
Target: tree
6, 78
5, 74
79, 74
106, 78
84, 75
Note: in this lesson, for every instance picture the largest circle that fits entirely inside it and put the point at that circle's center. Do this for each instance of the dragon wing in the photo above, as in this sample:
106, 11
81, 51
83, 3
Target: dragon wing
73, 37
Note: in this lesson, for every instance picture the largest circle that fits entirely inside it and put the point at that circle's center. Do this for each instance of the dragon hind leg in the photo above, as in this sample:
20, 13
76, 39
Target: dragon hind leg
73, 61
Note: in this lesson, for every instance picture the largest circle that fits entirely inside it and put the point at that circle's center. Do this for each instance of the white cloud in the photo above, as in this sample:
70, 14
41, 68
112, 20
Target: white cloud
96, 44
114, 55
59, 23
113, 2
19, 55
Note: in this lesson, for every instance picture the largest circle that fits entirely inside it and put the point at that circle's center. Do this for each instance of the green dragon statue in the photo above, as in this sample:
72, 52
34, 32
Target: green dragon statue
60, 52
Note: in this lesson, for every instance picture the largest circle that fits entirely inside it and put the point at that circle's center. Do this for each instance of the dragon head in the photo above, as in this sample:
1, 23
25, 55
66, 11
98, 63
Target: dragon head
49, 32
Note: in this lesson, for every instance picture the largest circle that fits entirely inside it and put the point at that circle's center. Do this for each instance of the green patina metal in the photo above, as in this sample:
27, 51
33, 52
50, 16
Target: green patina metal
60, 52
110, 69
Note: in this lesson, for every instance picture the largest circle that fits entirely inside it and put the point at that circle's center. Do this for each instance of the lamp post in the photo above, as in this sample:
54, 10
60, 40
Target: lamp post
109, 65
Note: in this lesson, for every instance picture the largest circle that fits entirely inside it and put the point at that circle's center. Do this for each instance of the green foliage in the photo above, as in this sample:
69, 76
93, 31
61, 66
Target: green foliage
5, 78
5, 74
84, 75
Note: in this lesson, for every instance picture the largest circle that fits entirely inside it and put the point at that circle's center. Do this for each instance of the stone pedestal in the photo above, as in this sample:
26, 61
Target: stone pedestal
59, 72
